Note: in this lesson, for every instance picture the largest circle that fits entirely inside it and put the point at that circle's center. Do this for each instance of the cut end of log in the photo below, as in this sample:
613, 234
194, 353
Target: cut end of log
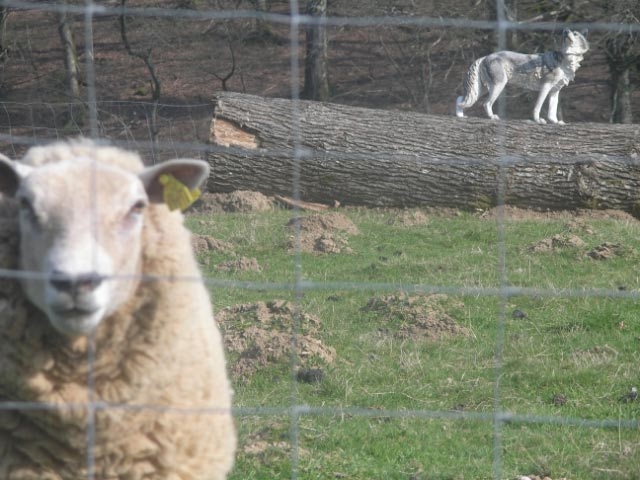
229, 134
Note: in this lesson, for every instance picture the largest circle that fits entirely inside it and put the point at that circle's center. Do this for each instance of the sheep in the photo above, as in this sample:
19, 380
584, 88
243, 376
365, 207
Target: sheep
106, 329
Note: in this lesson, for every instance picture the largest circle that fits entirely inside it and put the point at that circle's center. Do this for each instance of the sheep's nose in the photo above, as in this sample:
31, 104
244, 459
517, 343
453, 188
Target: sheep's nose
74, 284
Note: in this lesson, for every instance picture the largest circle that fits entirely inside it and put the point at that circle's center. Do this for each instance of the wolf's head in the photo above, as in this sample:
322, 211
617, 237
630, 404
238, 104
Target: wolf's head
574, 43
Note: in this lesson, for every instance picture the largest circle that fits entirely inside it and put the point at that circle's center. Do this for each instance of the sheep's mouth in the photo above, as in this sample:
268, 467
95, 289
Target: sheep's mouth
73, 312
75, 320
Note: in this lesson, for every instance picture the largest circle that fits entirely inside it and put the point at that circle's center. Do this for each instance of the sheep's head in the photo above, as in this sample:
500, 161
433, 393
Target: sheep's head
81, 226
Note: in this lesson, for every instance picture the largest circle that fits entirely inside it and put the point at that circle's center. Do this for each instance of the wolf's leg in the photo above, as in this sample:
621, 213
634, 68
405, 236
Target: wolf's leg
552, 114
542, 96
495, 90
459, 109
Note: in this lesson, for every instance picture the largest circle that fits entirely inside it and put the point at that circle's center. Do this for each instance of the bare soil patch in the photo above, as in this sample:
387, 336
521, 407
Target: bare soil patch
322, 233
207, 243
259, 334
515, 213
607, 251
566, 241
579, 225
238, 201
557, 242
259, 447
417, 317
242, 264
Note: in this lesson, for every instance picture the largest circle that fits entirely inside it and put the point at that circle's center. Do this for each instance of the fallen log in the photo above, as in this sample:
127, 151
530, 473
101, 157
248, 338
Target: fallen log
359, 156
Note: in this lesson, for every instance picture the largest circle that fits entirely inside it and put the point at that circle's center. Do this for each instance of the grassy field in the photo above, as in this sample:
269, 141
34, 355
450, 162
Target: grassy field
414, 380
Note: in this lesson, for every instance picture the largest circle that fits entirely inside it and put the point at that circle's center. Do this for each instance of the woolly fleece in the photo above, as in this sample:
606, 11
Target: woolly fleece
161, 399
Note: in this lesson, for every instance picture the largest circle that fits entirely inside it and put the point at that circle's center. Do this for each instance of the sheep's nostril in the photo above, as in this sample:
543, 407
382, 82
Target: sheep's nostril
74, 284
61, 281
88, 282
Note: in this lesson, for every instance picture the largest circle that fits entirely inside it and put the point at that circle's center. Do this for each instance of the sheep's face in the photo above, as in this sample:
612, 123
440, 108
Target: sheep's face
81, 227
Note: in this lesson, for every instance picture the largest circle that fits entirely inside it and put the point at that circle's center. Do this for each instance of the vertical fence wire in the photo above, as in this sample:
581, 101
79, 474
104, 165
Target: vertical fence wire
501, 267
294, 65
92, 107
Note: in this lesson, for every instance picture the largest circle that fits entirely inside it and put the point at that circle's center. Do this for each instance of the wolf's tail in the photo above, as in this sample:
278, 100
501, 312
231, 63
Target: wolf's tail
472, 88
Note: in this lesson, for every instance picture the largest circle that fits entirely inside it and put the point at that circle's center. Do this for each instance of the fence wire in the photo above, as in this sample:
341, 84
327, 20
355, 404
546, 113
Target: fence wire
28, 123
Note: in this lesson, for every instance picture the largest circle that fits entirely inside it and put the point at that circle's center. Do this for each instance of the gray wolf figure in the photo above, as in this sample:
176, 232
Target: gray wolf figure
545, 72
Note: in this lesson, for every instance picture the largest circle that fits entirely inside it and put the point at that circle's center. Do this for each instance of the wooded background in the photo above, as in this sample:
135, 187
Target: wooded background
149, 74
154, 65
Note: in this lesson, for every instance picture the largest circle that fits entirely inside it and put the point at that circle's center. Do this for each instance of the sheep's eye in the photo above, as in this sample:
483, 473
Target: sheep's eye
138, 207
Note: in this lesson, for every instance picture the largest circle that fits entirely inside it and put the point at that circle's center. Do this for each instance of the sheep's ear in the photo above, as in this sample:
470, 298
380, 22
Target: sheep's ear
190, 173
11, 175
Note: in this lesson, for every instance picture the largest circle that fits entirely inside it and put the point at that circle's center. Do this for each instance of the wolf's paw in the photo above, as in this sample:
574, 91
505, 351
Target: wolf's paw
494, 117
540, 121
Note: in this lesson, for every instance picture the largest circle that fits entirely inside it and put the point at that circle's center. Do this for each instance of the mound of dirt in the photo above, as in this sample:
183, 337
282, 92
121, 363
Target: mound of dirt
579, 225
557, 242
417, 317
322, 233
607, 251
259, 334
206, 243
242, 264
238, 201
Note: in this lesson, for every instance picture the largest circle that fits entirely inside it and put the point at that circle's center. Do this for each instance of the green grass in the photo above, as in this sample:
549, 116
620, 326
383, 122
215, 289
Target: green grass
406, 408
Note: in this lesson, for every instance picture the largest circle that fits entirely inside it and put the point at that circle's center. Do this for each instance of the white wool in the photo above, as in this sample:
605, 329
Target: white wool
161, 396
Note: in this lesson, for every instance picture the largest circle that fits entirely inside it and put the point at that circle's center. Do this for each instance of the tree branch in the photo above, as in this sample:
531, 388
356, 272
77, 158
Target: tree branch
156, 84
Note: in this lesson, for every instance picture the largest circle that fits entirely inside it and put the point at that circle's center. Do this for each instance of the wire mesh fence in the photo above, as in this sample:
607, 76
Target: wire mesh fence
281, 432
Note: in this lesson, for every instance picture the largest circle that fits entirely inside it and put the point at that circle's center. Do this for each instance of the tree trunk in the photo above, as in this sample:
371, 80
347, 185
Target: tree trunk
262, 27
369, 157
620, 52
316, 80
70, 55
4, 50
156, 83
621, 96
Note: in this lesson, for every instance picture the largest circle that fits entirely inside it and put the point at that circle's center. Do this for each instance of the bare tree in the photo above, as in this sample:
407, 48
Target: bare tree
263, 30
622, 55
4, 14
316, 79
156, 84
70, 54
232, 70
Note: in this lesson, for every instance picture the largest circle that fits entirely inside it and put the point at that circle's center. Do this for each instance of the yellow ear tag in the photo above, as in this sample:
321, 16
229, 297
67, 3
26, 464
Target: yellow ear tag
176, 194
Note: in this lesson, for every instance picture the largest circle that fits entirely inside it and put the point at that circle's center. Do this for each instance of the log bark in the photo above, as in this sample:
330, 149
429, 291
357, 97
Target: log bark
358, 156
